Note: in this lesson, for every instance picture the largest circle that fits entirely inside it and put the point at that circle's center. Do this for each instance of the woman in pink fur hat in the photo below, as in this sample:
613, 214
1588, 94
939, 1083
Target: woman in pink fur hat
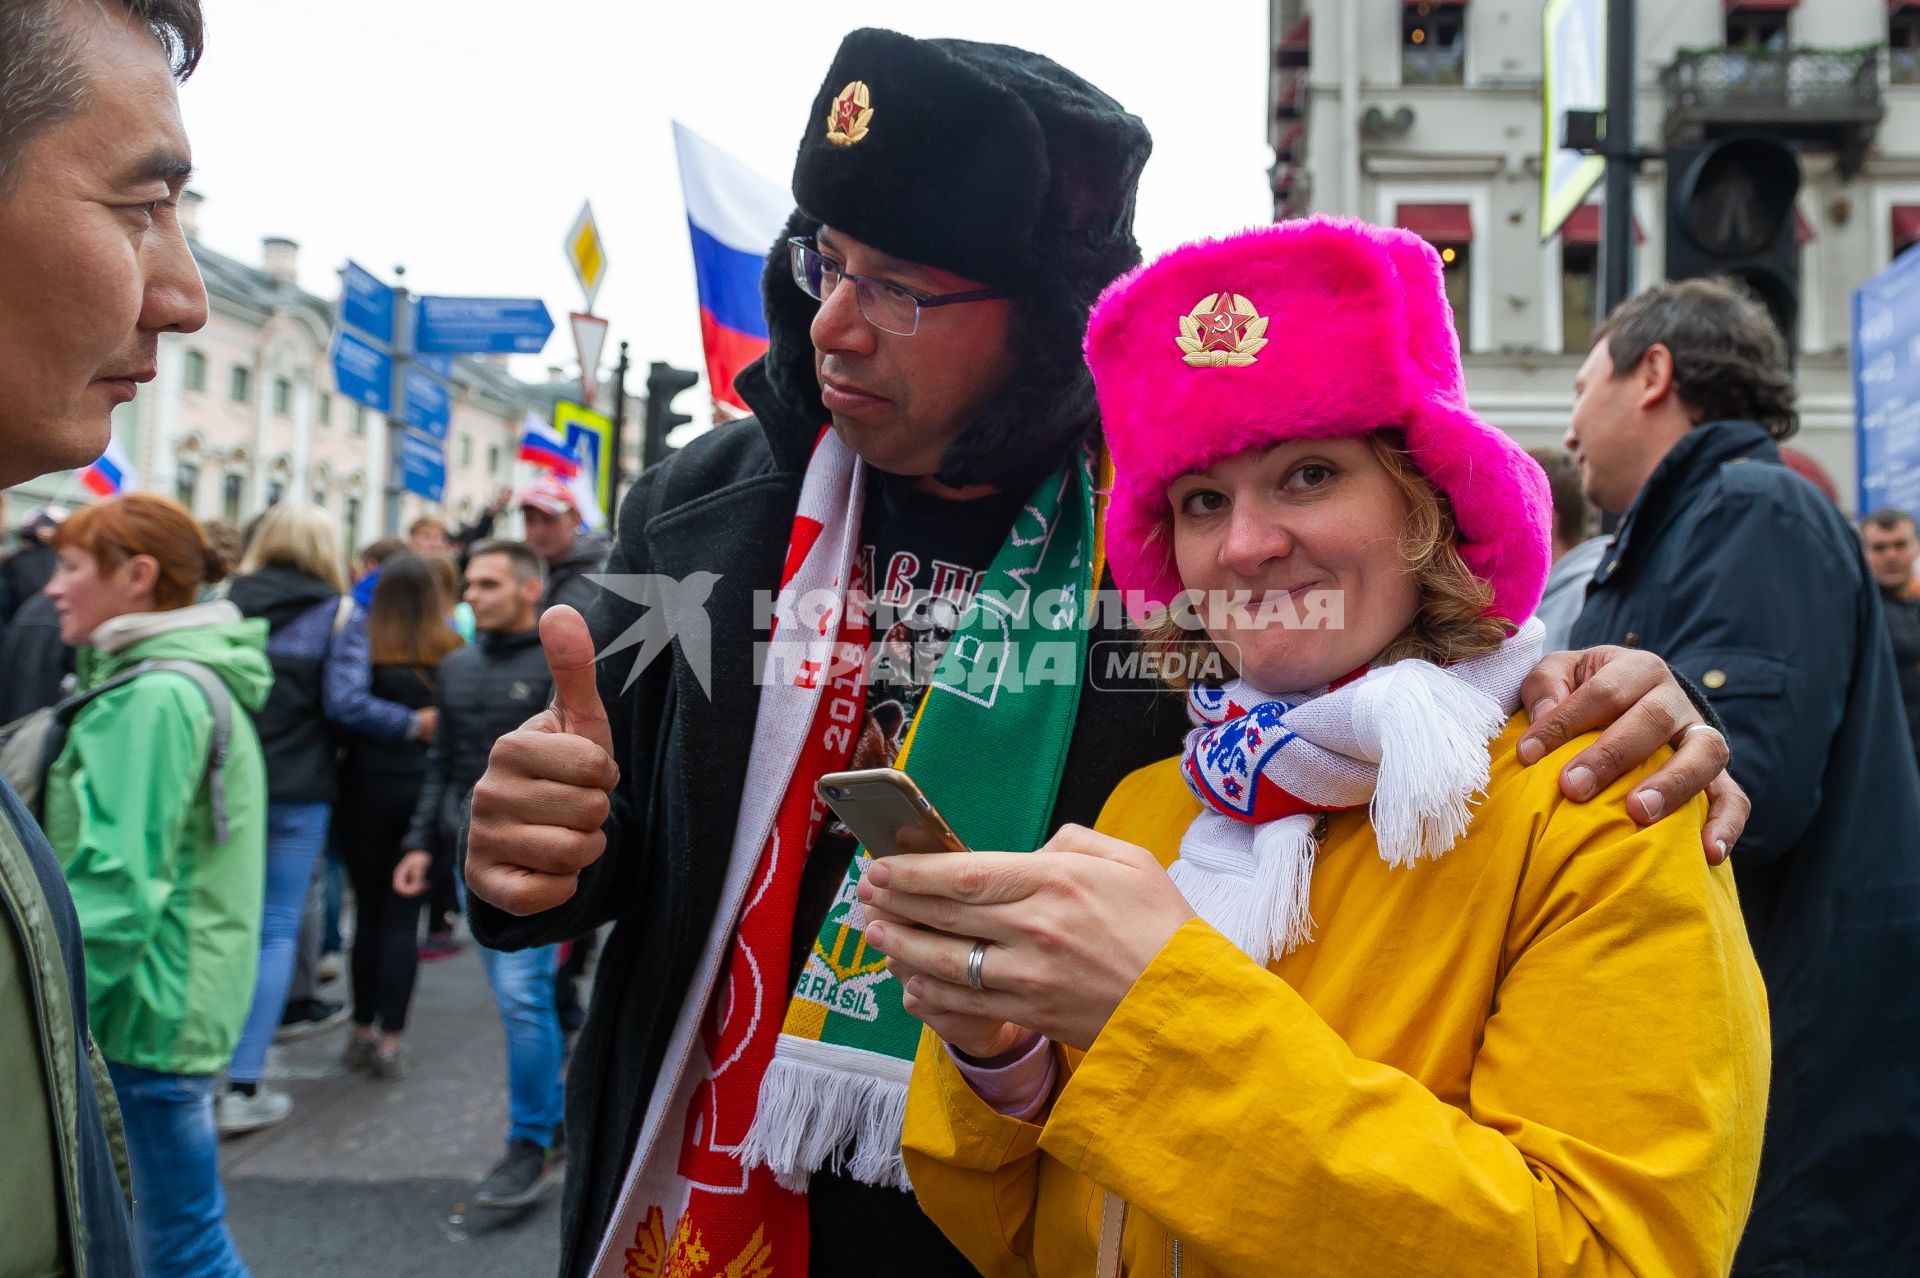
1379, 1000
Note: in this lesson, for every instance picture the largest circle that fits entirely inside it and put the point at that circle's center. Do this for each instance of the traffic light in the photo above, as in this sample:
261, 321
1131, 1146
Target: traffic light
664, 381
1731, 212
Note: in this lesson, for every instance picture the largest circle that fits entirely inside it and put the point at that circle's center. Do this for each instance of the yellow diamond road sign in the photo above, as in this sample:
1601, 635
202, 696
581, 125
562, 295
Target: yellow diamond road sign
586, 254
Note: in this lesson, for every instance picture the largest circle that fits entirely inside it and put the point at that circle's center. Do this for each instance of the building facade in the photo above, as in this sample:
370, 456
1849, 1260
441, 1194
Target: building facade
1429, 114
244, 413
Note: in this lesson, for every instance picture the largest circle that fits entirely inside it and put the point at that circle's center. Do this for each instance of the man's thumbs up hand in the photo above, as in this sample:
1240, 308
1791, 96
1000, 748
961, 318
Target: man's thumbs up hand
538, 810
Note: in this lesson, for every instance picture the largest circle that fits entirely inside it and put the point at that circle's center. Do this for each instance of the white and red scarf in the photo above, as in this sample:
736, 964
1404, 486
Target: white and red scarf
690, 1205
1408, 739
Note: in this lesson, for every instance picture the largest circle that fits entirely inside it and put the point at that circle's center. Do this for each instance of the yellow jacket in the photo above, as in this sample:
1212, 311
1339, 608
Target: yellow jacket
1545, 1052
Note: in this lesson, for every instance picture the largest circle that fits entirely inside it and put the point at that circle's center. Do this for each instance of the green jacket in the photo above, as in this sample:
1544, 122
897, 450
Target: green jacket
170, 919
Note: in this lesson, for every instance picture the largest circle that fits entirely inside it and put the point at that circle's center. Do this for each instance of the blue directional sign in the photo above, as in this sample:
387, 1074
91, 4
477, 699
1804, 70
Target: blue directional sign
423, 465
428, 406
1886, 386
441, 364
366, 303
481, 325
363, 372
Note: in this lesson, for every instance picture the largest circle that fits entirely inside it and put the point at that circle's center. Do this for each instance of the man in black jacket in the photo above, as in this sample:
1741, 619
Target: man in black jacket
571, 553
958, 407
487, 689
1748, 581
1893, 547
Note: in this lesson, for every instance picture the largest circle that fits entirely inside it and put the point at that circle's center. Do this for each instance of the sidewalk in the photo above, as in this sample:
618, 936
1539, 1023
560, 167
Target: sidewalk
373, 1178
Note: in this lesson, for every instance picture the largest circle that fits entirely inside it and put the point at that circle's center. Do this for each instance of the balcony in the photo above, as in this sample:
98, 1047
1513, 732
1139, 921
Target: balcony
1820, 97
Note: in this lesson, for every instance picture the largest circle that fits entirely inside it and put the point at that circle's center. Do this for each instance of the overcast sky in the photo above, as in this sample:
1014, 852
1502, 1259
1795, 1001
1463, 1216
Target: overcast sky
458, 137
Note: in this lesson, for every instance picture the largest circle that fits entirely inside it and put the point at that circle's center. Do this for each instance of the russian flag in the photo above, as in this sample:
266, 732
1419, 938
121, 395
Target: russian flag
734, 215
542, 445
111, 475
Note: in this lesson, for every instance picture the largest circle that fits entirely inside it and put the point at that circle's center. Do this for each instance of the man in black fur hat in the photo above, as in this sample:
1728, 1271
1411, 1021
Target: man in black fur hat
961, 206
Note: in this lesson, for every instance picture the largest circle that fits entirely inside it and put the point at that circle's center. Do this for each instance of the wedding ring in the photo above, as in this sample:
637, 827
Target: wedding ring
1694, 727
976, 957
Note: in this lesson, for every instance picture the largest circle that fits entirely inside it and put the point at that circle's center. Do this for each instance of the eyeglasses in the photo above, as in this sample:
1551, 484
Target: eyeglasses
887, 307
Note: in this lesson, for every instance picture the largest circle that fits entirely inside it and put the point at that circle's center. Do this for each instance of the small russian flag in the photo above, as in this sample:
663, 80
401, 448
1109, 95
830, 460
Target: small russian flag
735, 215
111, 475
542, 445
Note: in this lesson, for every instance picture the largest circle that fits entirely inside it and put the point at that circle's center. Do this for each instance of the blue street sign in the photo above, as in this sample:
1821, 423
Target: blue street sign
441, 364
428, 406
366, 303
362, 372
481, 325
1886, 387
423, 465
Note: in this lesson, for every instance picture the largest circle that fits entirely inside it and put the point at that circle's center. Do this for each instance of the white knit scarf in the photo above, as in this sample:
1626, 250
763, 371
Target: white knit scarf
1410, 740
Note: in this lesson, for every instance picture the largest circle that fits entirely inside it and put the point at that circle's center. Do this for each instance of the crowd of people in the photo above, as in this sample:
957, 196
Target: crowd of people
1415, 943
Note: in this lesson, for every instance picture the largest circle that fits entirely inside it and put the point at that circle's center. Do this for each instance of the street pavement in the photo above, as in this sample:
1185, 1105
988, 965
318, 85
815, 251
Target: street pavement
374, 1178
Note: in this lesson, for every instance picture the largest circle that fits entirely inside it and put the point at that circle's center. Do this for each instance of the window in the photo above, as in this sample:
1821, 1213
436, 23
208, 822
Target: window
233, 490
1903, 45
195, 371
1449, 228
350, 525
466, 450
275, 491
1433, 42
319, 497
326, 409
1579, 296
493, 459
240, 387
282, 397
1580, 277
1906, 227
1455, 273
186, 483
1763, 27
359, 419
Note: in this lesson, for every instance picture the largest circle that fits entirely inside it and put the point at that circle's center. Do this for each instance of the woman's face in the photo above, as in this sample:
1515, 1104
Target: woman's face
1305, 537
84, 597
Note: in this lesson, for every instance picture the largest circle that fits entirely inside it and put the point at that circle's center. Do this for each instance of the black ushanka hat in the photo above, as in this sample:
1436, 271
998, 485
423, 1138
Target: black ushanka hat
992, 162
979, 158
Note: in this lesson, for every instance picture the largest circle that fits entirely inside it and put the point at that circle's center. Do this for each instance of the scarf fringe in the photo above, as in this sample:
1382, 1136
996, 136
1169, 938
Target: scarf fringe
821, 1114
1429, 730
1253, 884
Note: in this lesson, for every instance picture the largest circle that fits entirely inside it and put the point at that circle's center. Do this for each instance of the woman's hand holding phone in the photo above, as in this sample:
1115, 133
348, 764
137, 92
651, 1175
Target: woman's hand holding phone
1069, 929
981, 1037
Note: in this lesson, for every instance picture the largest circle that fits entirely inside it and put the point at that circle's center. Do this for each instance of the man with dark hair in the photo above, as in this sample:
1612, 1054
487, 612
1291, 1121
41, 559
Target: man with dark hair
92, 158
1576, 552
487, 689
1892, 547
1748, 581
961, 206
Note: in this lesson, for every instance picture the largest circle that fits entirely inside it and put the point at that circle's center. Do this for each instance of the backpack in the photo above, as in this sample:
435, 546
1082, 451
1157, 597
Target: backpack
30, 744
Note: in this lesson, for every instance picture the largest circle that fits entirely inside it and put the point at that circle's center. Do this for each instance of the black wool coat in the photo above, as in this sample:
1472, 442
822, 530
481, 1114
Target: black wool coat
724, 504
1748, 581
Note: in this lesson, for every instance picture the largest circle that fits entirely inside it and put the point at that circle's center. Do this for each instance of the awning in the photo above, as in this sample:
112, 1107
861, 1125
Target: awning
1582, 230
1802, 229
1437, 223
1296, 46
1906, 224
1285, 149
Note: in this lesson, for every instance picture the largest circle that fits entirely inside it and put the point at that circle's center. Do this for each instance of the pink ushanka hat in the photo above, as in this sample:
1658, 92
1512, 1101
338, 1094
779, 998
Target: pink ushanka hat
1327, 327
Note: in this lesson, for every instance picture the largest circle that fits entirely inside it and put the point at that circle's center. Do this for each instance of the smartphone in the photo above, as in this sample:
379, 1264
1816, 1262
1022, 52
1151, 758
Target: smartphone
876, 802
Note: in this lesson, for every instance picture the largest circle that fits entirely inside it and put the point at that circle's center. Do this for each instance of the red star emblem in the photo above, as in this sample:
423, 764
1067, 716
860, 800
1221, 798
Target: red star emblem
845, 112
1222, 327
